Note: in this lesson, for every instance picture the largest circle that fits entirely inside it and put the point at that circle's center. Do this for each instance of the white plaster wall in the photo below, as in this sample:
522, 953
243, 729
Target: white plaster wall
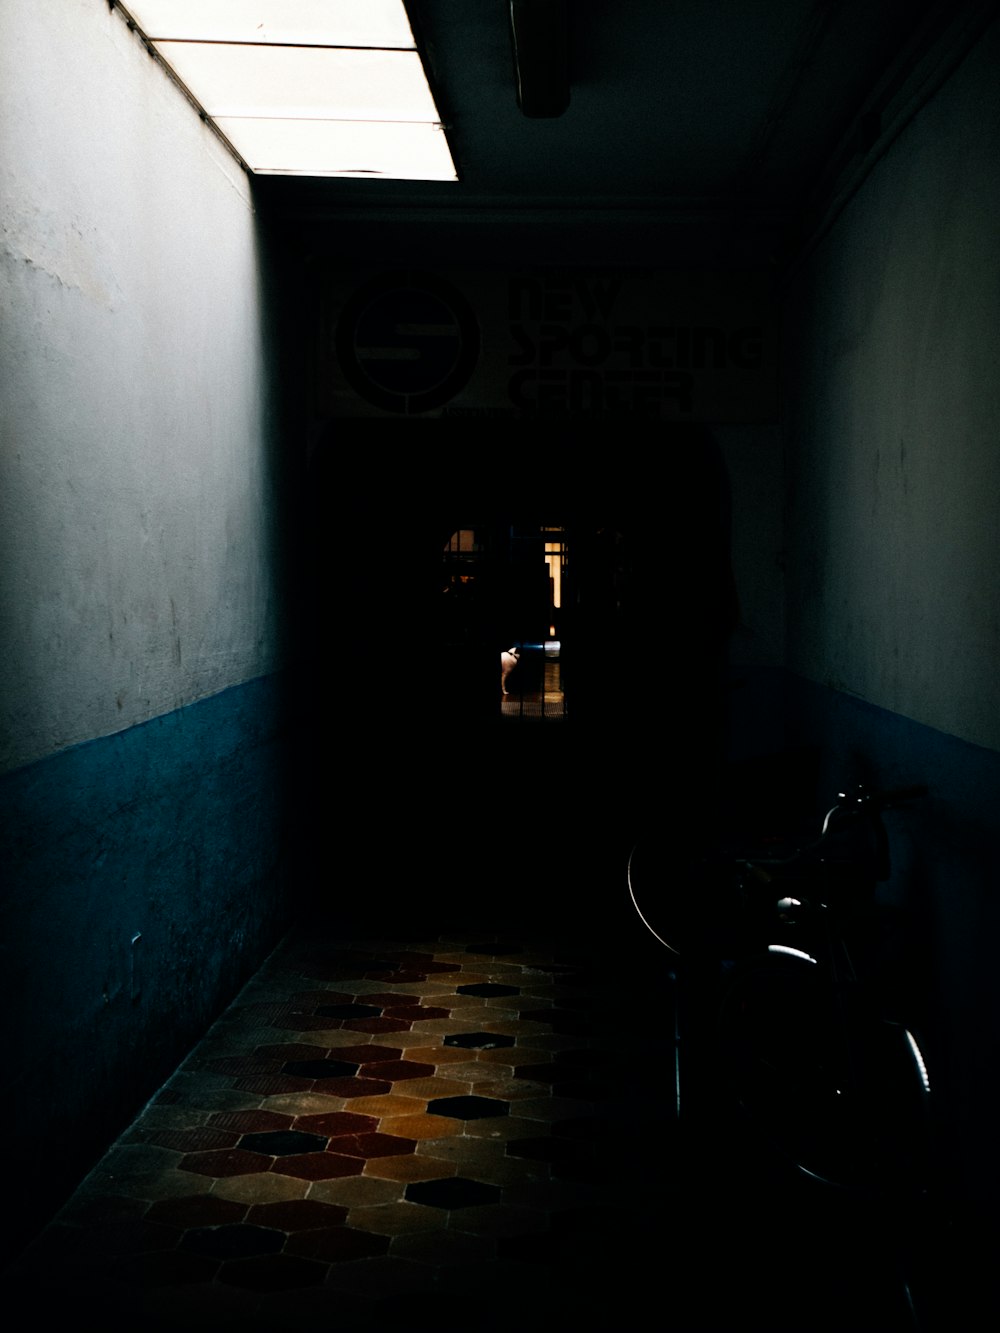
893, 425
136, 516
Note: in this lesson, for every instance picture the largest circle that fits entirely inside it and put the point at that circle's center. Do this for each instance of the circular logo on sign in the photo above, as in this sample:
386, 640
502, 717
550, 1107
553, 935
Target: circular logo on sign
407, 342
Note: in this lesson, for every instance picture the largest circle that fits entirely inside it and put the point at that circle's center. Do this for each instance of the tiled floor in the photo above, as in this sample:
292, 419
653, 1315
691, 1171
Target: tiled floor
465, 1131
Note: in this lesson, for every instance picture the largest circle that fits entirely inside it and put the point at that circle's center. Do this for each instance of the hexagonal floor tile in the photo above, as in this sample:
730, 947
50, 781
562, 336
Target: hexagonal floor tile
487, 988
467, 1108
283, 1142
484, 1041
232, 1242
452, 1192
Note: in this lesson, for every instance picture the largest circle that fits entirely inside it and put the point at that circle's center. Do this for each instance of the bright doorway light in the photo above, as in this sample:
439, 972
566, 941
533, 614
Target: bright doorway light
305, 87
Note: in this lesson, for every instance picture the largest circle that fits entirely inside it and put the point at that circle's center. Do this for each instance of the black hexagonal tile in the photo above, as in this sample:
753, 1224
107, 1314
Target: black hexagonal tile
333, 1245
232, 1242
486, 988
283, 1142
468, 1108
453, 1192
293, 1215
482, 1041
273, 1272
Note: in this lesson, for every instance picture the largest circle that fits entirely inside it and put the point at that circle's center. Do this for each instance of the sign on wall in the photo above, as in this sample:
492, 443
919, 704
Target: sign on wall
549, 343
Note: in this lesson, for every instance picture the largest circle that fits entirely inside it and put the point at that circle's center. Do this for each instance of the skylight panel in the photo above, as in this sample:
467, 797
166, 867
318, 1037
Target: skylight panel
375, 23
316, 82
310, 87
341, 148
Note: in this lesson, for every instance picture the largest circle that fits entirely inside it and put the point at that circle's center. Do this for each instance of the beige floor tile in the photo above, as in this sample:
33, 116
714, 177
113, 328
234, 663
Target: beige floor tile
398, 1219
498, 1220
231, 1099
444, 1249
390, 1103
439, 1055
262, 1187
440, 1027
494, 1020
504, 1128
432, 1088
381, 1277
171, 1117
550, 1109
464, 1071
132, 1159
411, 1167
506, 1171
515, 1055
305, 1103
354, 1191
450, 999
406, 1041
421, 1126
334, 1037
461, 1150
503, 1085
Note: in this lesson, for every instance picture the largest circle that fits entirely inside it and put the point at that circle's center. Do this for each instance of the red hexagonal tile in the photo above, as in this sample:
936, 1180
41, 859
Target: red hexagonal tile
296, 1215
376, 1145
338, 1245
353, 1087
398, 1070
240, 1065
414, 1013
201, 1139
336, 1123
250, 1122
227, 1162
272, 1272
318, 1165
271, 1085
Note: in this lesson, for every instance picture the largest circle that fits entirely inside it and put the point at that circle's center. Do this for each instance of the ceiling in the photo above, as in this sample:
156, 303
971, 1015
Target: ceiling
732, 123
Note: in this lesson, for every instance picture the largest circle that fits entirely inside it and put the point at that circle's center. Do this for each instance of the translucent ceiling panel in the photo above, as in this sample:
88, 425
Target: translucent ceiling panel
380, 23
341, 80
311, 82
396, 151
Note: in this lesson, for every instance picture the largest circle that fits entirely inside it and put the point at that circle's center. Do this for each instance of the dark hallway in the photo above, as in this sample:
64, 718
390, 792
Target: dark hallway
326, 1003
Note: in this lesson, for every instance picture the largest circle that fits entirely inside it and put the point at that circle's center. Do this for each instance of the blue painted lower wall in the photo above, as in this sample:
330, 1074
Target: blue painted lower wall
946, 870
145, 880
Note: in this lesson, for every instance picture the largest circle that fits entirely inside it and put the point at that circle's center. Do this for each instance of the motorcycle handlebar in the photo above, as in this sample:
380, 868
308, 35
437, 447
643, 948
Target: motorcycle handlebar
883, 799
